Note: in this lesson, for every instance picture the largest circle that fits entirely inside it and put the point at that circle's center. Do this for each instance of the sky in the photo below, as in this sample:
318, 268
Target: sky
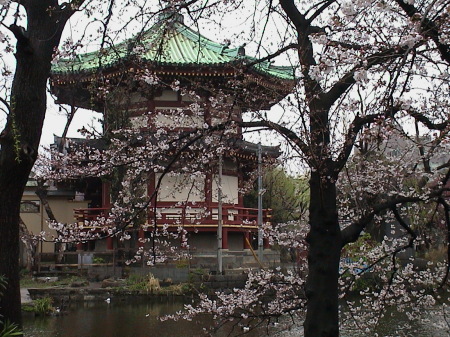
55, 122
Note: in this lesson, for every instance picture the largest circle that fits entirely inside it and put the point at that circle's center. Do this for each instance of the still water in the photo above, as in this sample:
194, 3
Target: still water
140, 319
121, 319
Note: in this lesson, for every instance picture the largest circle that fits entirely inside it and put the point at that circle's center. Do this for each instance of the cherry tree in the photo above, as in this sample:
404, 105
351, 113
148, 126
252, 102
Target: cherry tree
30, 34
35, 43
366, 69
370, 73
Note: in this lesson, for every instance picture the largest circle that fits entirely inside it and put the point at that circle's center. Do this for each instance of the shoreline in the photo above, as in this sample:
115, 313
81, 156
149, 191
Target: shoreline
98, 294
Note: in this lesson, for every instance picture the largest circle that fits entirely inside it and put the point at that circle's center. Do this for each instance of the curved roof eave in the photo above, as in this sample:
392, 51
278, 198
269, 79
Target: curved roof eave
183, 47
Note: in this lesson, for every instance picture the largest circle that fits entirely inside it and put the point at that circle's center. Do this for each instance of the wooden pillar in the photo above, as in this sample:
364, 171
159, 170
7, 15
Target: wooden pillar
246, 240
240, 185
151, 184
225, 238
106, 196
80, 246
208, 195
251, 238
141, 239
109, 243
208, 189
266, 243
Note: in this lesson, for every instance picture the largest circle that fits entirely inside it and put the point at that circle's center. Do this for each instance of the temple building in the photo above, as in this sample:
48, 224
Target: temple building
159, 77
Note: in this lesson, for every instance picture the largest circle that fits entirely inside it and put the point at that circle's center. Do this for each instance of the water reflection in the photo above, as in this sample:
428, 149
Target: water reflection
134, 318
121, 319
139, 319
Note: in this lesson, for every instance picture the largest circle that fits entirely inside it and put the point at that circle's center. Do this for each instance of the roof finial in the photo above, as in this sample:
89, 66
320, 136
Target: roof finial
241, 50
171, 14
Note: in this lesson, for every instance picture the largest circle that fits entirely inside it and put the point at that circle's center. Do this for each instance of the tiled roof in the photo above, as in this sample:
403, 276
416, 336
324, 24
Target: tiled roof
170, 43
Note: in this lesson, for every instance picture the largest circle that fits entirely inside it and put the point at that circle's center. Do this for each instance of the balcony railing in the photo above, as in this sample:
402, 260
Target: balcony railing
189, 216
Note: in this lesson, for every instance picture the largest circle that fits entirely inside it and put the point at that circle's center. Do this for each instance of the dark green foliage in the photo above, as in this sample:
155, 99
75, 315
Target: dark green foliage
287, 196
7, 328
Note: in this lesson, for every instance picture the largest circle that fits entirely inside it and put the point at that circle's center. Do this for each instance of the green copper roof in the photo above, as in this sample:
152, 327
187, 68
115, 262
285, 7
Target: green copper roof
169, 44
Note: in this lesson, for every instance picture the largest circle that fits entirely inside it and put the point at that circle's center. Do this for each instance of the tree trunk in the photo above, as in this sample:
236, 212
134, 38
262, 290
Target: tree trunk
30, 244
20, 138
9, 252
324, 238
42, 193
19, 150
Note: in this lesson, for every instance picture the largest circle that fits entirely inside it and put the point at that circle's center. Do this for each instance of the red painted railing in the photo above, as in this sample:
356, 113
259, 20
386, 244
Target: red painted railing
232, 216
89, 214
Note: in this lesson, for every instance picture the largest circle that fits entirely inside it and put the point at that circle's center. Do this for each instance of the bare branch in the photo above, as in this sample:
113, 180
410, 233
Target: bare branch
305, 49
348, 79
356, 126
272, 56
428, 28
285, 132
6, 104
426, 121
42, 193
320, 10
444, 204
19, 32
359, 122
298, 19
402, 223
346, 45
353, 231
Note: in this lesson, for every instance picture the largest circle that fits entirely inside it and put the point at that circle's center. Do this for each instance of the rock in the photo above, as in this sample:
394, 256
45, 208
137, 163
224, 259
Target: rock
153, 284
78, 284
420, 264
47, 279
89, 298
167, 282
94, 278
111, 283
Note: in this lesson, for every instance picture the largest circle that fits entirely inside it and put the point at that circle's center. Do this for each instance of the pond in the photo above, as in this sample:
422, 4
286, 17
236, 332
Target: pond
140, 319
120, 319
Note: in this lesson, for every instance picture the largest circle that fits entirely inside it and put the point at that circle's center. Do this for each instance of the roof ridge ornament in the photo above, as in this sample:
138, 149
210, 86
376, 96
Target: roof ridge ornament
241, 50
171, 15
225, 46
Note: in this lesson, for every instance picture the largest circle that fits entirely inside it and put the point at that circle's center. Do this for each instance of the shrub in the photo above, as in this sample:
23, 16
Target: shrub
10, 329
43, 306
98, 259
152, 283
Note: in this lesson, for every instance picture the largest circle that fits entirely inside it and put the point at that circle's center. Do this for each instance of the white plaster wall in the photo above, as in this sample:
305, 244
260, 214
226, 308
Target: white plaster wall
138, 122
183, 187
137, 97
167, 95
230, 192
176, 119
203, 242
235, 241
37, 222
189, 98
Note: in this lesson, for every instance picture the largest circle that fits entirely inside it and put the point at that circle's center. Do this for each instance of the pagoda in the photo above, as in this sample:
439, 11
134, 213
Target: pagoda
147, 68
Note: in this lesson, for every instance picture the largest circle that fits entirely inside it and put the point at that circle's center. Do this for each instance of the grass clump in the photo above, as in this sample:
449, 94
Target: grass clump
10, 329
7, 328
43, 306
